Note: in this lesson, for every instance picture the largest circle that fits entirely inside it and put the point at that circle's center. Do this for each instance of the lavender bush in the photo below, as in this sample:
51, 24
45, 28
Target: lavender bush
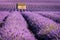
3, 14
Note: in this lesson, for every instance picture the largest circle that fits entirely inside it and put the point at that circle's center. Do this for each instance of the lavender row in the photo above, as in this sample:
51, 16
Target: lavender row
55, 17
42, 27
15, 28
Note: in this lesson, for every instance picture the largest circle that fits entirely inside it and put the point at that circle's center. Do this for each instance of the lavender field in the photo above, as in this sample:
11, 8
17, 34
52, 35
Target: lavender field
41, 25
29, 26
